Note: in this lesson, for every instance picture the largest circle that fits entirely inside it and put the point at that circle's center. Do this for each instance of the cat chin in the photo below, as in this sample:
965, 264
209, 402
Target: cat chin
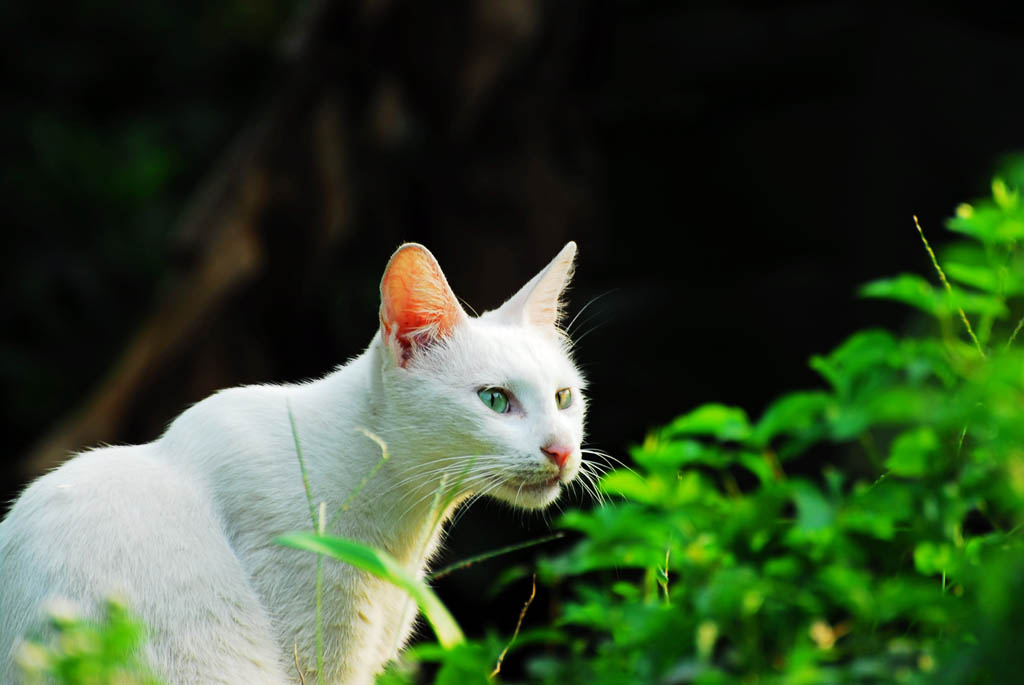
530, 495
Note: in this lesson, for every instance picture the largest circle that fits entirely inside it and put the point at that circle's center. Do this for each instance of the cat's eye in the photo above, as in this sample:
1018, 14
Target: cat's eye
495, 398
563, 398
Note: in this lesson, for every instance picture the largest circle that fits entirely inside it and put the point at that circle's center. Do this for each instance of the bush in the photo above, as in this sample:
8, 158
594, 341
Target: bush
866, 531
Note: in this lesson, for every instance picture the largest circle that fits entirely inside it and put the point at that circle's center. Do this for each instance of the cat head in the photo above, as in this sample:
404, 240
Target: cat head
490, 404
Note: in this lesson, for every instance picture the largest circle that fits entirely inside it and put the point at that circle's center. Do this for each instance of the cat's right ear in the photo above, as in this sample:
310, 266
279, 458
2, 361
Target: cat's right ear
417, 306
539, 302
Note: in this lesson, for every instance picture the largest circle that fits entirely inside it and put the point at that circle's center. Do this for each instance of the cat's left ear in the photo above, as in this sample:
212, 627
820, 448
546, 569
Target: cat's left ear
539, 302
417, 306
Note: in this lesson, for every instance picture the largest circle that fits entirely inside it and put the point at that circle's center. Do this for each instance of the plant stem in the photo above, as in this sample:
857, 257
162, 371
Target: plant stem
302, 464
319, 599
519, 623
465, 563
1016, 330
949, 288
319, 527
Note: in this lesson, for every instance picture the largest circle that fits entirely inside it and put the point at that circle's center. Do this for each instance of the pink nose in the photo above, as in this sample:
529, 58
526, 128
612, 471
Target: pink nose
558, 454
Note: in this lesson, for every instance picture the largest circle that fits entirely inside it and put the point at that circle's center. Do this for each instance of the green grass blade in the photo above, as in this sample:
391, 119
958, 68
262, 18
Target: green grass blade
385, 566
302, 463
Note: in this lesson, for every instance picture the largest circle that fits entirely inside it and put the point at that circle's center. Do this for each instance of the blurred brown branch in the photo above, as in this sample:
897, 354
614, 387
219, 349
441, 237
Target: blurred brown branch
453, 136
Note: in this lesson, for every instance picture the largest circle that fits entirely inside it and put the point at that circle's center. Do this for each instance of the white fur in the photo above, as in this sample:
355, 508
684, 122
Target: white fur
182, 528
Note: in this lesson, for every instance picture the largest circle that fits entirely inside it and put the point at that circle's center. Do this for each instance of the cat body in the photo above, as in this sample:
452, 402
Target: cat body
182, 529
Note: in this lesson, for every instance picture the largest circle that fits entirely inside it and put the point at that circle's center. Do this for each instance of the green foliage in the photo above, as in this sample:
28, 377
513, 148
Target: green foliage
865, 532
80, 651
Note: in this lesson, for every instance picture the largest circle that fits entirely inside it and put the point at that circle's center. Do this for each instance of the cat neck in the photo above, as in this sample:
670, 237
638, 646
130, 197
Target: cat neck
358, 463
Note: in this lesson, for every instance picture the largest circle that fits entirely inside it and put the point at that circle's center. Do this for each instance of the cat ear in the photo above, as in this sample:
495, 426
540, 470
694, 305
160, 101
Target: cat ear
539, 302
417, 306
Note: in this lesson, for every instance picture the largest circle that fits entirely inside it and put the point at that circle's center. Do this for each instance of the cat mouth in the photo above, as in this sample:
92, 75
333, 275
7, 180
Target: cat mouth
530, 494
537, 486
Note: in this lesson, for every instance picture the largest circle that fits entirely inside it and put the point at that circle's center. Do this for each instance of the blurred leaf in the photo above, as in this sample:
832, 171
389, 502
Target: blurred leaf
796, 413
912, 453
931, 558
628, 484
1006, 198
759, 465
814, 513
917, 292
715, 420
989, 224
862, 353
673, 454
86, 651
731, 593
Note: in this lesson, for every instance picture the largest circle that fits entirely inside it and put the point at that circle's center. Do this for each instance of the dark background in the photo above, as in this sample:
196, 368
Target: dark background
198, 195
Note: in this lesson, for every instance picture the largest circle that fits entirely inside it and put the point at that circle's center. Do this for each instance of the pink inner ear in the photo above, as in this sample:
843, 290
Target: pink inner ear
417, 306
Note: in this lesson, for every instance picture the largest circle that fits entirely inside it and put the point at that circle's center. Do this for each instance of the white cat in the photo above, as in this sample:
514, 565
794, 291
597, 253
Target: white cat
182, 528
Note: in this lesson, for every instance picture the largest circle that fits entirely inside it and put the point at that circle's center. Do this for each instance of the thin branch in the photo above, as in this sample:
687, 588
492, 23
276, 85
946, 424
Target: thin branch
949, 288
297, 667
466, 563
1013, 336
519, 623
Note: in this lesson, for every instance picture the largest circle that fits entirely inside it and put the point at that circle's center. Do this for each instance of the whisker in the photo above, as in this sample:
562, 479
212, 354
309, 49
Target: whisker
593, 300
586, 333
472, 500
429, 494
592, 487
607, 457
468, 306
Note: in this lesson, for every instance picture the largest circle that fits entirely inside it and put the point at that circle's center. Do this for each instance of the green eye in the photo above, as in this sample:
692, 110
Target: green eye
495, 398
563, 398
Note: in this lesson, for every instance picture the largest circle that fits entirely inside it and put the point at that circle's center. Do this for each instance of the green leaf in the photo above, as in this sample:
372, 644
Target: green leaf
814, 513
890, 405
879, 510
1006, 198
798, 412
980, 277
983, 277
911, 453
907, 288
931, 558
715, 420
382, 565
759, 465
627, 484
672, 454
849, 587
860, 354
784, 566
988, 223
731, 593
917, 292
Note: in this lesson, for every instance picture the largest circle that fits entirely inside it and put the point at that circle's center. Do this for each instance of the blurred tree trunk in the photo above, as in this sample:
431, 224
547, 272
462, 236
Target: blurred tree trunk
388, 121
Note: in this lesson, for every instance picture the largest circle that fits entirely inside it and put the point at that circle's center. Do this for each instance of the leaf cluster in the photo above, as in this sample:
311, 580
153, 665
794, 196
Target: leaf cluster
895, 561
77, 650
